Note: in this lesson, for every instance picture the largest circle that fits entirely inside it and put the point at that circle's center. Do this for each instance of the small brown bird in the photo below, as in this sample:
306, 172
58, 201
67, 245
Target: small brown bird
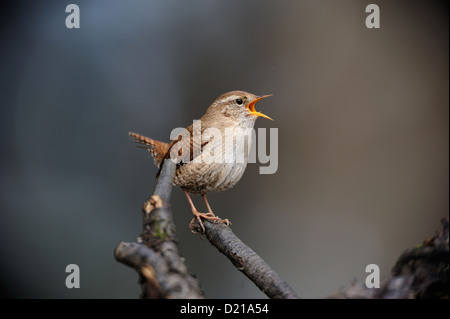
209, 163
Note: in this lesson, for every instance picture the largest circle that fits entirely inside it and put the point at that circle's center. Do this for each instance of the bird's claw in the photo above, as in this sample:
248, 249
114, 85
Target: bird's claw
208, 216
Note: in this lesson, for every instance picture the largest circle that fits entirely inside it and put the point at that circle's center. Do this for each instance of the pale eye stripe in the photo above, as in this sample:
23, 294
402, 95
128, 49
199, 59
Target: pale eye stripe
232, 97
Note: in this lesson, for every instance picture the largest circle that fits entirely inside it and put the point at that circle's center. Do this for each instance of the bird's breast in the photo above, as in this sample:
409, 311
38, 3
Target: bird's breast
220, 165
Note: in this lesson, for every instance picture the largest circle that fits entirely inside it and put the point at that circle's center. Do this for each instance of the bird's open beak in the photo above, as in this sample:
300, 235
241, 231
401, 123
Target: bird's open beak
251, 107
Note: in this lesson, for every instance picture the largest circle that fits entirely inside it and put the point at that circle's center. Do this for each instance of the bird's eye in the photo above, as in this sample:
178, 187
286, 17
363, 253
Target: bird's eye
239, 101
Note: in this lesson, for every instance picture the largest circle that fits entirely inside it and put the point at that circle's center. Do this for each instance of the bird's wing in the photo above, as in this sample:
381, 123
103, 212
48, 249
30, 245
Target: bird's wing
190, 143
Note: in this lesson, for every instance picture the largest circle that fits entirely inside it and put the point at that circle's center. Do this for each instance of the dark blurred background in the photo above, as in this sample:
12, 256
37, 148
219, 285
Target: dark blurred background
362, 114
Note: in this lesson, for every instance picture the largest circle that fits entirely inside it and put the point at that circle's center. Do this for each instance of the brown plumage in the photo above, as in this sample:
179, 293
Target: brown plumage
203, 171
156, 148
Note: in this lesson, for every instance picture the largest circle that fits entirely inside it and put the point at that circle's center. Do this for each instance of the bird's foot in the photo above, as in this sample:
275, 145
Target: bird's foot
208, 216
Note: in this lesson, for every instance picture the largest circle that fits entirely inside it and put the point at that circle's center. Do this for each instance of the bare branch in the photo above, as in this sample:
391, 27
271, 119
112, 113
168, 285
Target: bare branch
162, 271
155, 256
420, 272
164, 184
247, 261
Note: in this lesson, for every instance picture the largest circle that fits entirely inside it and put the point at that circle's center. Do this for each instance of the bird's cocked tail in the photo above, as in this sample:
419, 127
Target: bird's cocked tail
156, 148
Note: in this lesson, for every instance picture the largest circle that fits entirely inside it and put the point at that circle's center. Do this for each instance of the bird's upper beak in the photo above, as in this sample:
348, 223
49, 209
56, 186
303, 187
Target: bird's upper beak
251, 107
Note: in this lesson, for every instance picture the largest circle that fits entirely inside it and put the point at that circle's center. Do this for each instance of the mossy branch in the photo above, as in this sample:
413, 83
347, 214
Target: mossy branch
162, 272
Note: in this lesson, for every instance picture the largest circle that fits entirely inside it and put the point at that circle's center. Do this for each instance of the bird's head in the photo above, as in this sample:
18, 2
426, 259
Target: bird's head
238, 105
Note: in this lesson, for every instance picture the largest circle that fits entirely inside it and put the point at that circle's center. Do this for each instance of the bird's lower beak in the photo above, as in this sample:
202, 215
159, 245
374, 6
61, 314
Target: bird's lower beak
251, 107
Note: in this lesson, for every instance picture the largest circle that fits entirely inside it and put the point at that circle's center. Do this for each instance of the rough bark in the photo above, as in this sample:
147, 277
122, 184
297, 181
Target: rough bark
247, 261
162, 272
420, 272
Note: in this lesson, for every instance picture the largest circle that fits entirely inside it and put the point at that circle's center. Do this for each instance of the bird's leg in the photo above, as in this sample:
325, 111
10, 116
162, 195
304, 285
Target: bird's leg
210, 212
198, 216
